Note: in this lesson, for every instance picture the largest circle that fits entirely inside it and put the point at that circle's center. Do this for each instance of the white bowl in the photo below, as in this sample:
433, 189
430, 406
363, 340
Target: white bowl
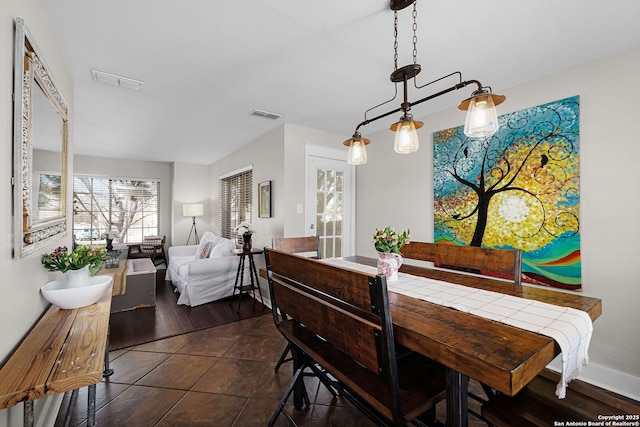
57, 292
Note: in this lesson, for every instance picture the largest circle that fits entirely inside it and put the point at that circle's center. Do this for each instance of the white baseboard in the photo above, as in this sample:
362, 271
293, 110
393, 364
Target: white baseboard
48, 412
45, 412
607, 378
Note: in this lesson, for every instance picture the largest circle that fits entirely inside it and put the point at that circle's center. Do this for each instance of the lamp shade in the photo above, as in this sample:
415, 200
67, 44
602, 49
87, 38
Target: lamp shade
194, 209
357, 150
482, 118
357, 153
406, 140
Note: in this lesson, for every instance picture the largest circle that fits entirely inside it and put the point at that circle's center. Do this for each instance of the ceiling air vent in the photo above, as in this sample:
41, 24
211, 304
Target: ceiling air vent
115, 80
266, 114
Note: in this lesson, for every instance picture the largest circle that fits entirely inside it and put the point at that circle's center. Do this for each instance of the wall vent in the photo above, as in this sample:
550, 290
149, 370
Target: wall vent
265, 114
115, 80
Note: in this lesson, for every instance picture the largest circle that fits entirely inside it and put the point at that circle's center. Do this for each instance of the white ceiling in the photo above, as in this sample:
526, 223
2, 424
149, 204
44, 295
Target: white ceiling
206, 64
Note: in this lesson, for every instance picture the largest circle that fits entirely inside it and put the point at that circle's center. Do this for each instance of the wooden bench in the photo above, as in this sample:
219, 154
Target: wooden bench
308, 246
339, 319
64, 351
537, 404
505, 263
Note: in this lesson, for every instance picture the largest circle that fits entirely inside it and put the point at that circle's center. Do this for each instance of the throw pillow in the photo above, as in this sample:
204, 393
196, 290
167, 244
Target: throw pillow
207, 237
224, 248
203, 250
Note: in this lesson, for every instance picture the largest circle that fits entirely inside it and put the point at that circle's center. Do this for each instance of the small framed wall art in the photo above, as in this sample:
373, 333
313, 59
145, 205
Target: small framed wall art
264, 199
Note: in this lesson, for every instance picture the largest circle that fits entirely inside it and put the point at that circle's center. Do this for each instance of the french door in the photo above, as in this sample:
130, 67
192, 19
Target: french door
330, 205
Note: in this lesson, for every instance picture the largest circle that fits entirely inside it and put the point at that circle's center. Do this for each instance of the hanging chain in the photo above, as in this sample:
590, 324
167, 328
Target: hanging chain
415, 36
395, 40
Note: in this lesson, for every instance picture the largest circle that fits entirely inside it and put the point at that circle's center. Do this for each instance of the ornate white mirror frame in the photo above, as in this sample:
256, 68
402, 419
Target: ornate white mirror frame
41, 118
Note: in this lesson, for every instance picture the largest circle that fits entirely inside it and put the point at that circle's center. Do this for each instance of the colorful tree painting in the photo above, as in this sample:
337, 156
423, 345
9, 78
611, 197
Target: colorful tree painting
518, 188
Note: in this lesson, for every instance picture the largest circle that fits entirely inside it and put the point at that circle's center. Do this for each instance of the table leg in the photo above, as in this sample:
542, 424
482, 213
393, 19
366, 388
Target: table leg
28, 413
239, 276
457, 395
254, 273
91, 405
107, 370
300, 396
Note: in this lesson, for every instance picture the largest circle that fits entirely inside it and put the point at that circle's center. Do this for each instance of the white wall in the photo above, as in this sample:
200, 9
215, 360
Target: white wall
191, 184
295, 140
135, 169
22, 304
609, 152
267, 159
279, 157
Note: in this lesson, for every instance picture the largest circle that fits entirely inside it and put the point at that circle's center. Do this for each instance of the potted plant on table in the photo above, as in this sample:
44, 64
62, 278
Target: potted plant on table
388, 244
109, 236
245, 230
78, 265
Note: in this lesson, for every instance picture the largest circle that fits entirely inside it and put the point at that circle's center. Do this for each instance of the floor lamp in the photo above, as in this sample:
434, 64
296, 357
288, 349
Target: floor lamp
193, 210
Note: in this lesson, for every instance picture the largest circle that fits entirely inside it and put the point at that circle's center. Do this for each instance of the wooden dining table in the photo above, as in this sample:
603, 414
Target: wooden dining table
497, 355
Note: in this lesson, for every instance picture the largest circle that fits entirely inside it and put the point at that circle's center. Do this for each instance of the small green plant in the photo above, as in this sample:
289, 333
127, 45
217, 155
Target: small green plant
62, 260
388, 241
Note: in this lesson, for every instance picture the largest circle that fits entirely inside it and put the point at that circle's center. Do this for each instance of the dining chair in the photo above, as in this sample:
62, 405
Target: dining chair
151, 247
340, 320
309, 246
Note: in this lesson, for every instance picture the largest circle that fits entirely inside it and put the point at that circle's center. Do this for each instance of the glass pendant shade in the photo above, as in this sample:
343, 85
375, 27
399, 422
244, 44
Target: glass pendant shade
357, 154
482, 119
406, 136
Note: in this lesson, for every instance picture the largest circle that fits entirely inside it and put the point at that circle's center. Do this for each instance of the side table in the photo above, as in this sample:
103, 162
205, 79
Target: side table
253, 276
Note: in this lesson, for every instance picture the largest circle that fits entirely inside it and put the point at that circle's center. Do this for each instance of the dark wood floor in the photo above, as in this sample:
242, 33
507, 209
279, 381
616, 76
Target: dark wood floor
167, 318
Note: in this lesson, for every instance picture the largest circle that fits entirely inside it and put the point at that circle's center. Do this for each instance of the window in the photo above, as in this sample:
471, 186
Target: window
129, 207
235, 202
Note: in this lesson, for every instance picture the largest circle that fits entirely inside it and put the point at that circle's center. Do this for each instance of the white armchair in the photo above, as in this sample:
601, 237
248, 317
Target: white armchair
201, 280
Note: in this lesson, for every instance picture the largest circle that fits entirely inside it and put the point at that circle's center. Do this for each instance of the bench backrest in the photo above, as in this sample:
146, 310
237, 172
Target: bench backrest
348, 309
309, 245
486, 261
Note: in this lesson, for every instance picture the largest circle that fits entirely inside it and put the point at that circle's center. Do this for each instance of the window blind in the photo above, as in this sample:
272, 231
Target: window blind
129, 207
235, 202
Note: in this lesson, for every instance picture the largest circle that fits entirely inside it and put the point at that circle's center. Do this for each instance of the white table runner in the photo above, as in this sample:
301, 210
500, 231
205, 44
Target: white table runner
569, 327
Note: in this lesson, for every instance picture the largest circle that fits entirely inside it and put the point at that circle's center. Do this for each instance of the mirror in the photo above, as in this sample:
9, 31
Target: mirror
40, 150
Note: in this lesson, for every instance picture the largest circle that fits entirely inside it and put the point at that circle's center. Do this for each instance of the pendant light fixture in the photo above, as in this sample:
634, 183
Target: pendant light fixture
357, 151
481, 120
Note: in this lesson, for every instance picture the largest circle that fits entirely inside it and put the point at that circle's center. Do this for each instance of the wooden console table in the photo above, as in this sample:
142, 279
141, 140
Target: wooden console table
64, 351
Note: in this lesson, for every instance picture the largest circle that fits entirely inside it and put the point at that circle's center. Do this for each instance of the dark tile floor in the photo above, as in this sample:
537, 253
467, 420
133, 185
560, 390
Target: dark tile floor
221, 376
